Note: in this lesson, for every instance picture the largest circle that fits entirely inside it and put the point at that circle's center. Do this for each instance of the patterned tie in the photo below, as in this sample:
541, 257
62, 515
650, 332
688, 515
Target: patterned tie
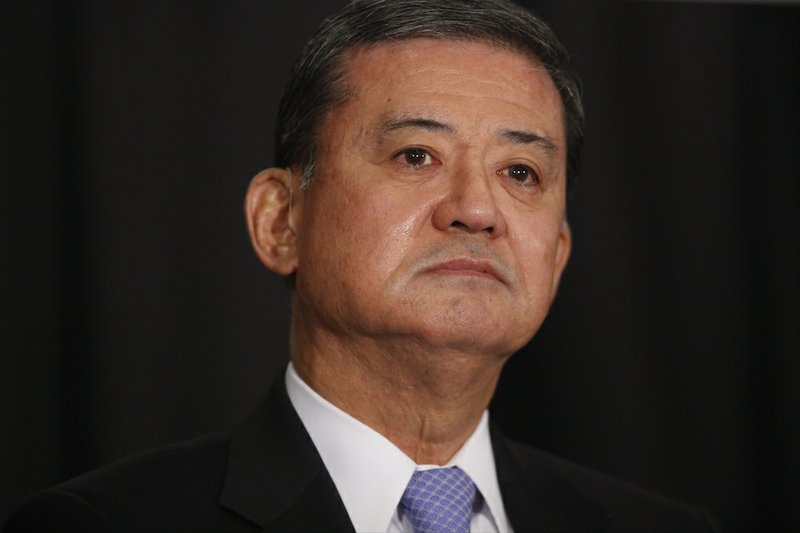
439, 500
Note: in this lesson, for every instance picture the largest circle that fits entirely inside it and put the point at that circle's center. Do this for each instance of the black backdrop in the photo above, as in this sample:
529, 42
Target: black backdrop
133, 313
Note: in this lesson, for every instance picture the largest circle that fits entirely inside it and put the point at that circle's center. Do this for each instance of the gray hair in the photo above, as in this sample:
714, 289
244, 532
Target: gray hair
316, 84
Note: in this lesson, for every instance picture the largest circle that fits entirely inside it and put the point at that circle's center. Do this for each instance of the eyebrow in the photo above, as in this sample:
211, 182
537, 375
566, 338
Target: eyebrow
529, 137
393, 124
543, 142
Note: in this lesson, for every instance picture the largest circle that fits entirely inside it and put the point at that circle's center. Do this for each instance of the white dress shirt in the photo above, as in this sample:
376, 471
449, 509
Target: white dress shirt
371, 473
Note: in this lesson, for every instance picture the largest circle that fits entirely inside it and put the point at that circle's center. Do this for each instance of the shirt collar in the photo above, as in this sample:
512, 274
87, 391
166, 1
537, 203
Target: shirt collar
370, 472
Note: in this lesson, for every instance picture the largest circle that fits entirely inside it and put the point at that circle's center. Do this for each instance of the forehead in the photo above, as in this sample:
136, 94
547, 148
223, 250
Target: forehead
430, 46
474, 83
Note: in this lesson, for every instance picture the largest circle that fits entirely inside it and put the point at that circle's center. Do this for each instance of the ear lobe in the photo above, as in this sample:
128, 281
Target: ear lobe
563, 249
267, 209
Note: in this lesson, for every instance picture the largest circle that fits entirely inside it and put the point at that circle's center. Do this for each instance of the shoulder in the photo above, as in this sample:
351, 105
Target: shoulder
57, 510
150, 491
629, 508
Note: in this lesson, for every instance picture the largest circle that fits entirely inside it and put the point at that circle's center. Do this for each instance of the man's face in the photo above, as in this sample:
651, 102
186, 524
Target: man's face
437, 211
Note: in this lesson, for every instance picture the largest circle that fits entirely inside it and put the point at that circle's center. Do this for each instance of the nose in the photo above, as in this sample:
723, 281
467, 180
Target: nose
469, 205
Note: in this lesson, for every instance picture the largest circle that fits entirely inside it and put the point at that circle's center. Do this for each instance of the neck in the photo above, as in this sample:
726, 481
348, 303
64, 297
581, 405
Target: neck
426, 400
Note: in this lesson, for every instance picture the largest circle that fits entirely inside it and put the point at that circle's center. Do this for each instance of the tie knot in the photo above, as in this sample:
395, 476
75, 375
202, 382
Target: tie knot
439, 500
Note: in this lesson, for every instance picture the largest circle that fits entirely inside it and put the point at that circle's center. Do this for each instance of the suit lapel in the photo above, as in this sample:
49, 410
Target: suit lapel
275, 477
536, 499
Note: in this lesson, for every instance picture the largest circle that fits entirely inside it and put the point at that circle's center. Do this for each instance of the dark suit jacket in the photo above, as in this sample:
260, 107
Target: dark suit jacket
266, 475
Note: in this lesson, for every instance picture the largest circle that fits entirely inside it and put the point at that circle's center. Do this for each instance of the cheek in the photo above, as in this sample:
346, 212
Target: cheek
536, 255
364, 235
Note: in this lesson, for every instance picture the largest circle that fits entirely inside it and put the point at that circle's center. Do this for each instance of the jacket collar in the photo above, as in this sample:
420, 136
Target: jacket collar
275, 477
536, 497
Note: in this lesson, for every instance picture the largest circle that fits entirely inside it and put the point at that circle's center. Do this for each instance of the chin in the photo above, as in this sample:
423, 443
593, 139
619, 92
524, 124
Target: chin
472, 334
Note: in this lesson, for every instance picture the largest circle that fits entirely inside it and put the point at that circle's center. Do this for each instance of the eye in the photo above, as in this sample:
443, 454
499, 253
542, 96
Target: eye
415, 157
522, 174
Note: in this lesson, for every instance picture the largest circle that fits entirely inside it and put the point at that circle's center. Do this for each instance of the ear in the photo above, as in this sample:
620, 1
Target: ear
563, 249
268, 211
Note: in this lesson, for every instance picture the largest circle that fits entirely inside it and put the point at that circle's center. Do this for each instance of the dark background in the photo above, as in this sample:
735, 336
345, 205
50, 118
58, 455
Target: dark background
133, 313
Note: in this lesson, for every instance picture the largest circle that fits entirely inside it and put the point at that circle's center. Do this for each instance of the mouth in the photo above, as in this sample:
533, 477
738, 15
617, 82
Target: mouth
467, 267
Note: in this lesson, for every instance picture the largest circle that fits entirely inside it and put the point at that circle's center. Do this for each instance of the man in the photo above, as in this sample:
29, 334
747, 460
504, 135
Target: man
418, 203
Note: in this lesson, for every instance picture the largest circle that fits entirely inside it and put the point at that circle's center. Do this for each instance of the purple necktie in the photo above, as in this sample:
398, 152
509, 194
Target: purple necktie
439, 500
